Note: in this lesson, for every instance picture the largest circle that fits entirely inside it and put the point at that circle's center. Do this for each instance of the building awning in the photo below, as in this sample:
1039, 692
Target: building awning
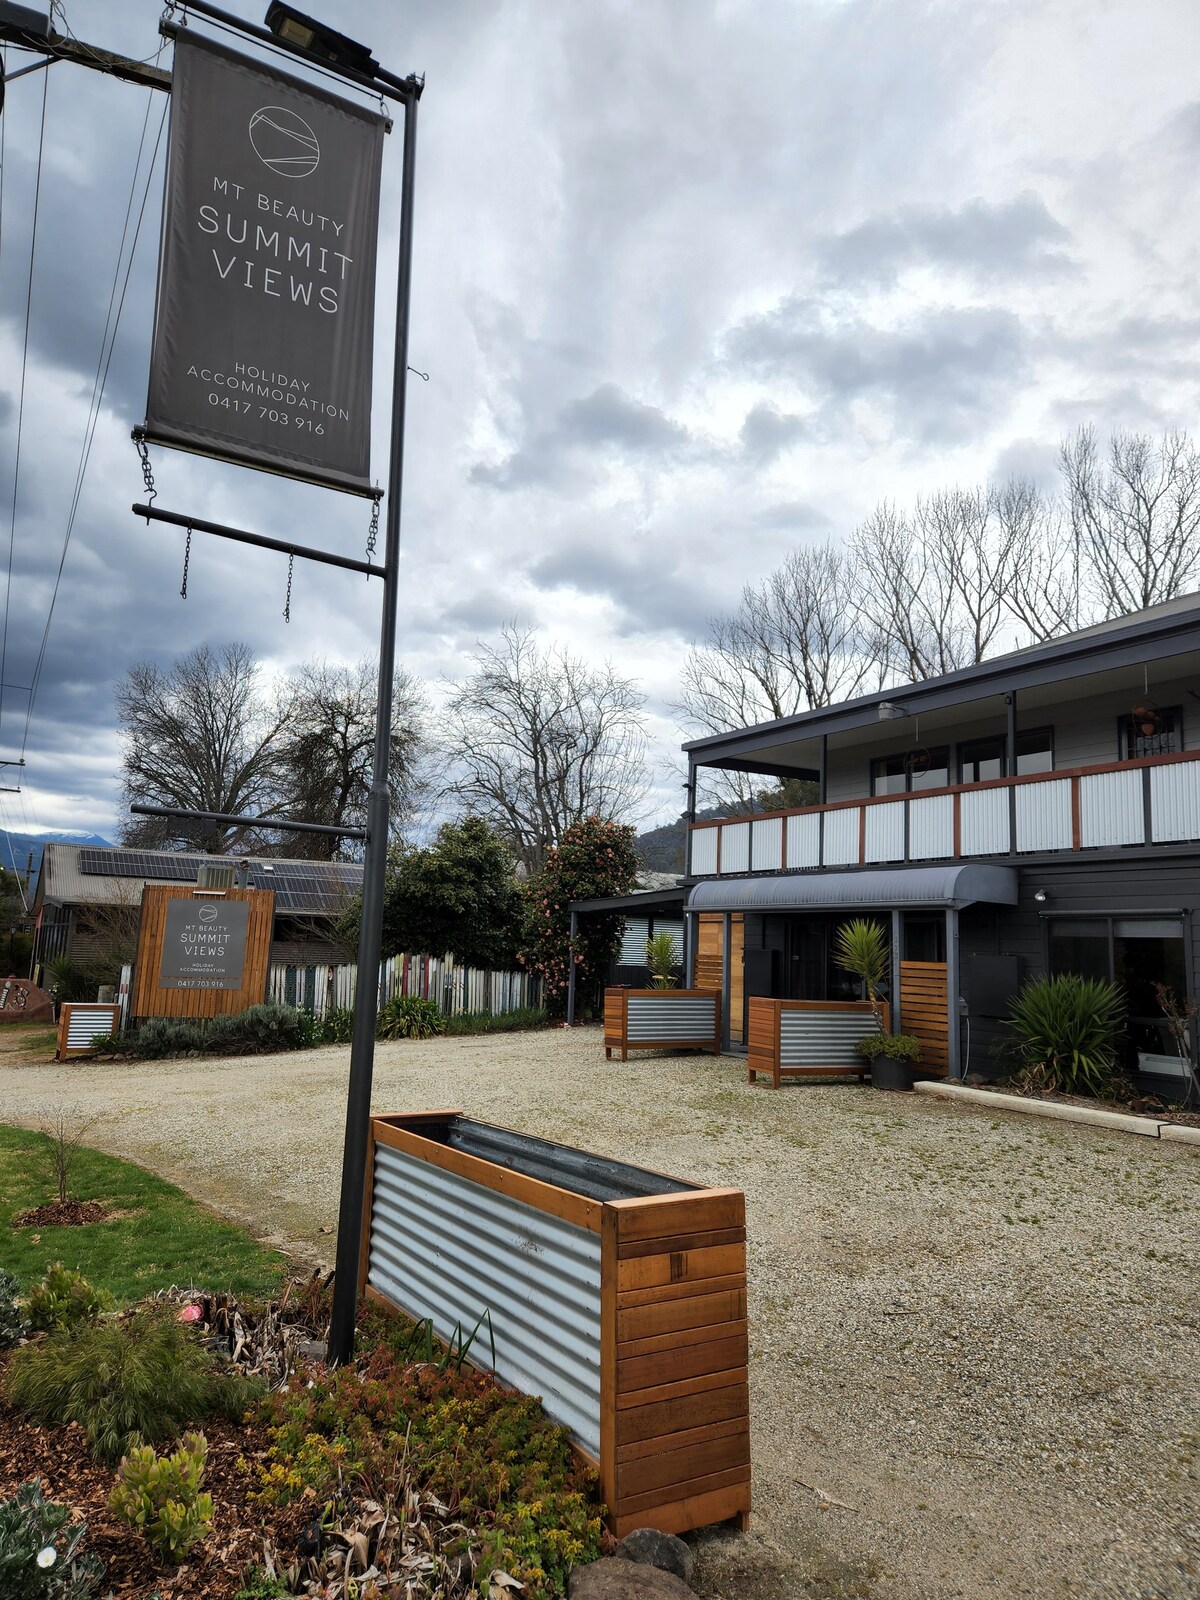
642, 902
946, 887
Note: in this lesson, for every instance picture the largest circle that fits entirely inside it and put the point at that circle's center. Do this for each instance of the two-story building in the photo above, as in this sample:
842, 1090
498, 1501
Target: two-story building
1038, 812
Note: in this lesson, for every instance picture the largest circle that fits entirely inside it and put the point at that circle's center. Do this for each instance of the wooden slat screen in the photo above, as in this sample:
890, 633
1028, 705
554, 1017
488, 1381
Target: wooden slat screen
737, 976
710, 961
924, 1011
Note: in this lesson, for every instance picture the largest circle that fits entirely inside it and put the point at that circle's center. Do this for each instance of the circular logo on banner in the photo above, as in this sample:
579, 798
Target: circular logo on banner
209, 913
284, 142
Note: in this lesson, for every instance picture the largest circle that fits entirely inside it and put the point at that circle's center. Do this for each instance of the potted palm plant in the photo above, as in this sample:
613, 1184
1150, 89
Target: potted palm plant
862, 949
661, 959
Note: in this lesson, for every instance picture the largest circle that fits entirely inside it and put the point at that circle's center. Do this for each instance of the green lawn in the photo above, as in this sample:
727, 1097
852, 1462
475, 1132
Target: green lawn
166, 1238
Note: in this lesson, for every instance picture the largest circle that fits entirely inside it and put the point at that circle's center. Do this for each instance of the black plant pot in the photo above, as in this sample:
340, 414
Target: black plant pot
888, 1073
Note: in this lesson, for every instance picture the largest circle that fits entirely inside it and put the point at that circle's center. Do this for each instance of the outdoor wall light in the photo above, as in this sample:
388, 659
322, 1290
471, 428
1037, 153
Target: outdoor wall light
889, 710
1040, 896
306, 33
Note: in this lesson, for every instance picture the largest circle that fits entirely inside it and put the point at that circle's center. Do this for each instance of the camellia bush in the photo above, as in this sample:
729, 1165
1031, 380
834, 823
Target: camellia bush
594, 859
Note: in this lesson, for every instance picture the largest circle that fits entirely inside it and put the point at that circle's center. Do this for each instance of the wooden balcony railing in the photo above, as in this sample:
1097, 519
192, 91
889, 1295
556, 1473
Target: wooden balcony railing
1155, 800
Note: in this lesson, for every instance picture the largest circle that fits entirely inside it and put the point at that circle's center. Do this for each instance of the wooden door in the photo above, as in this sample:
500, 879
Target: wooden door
925, 1011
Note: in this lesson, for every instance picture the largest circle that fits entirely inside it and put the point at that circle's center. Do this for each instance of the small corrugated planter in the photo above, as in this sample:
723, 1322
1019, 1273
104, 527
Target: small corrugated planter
616, 1294
79, 1022
661, 1019
808, 1038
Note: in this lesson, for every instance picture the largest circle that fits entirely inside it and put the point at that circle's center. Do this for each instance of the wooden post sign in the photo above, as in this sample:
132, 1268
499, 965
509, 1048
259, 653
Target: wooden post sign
201, 952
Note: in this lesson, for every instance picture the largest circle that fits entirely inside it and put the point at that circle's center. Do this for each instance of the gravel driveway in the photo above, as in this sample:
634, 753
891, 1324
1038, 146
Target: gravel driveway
974, 1337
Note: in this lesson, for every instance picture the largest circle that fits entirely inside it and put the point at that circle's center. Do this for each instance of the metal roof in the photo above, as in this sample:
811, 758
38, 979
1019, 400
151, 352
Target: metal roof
1152, 634
950, 888
640, 900
89, 875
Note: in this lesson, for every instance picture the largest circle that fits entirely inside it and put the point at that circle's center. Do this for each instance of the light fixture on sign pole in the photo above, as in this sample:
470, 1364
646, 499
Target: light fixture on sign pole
306, 33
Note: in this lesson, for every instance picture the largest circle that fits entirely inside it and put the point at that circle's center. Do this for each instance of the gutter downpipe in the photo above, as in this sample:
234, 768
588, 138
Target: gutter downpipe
571, 970
954, 1018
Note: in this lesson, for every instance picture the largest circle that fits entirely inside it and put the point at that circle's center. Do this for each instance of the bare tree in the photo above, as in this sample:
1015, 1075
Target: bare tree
1135, 516
538, 740
201, 736
1045, 580
327, 745
65, 1128
797, 641
935, 582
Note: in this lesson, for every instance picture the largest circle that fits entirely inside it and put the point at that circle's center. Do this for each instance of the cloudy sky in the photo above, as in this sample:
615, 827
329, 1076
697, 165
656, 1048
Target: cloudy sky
695, 281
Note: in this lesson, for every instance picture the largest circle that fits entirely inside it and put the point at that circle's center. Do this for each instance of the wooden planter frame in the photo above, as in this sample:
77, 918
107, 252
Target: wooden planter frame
674, 1424
764, 1057
686, 1037
71, 1014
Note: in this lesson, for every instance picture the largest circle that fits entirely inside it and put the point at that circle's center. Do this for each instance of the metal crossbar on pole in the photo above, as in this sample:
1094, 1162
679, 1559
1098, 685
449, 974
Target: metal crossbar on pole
306, 552
277, 824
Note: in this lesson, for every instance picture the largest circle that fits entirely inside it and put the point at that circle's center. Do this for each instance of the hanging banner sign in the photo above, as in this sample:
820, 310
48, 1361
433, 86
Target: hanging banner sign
266, 281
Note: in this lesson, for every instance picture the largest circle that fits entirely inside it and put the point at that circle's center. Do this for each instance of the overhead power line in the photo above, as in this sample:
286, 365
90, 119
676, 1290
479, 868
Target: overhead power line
12, 530
104, 362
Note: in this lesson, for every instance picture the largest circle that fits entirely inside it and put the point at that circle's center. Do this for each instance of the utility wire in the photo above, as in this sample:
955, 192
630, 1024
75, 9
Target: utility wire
12, 532
98, 398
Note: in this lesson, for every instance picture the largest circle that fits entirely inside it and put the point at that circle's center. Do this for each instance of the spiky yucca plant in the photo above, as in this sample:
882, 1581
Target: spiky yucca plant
1065, 1029
862, 948
662, 958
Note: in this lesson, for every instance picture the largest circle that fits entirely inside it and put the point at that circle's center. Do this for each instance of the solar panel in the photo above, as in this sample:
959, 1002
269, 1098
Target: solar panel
299, 886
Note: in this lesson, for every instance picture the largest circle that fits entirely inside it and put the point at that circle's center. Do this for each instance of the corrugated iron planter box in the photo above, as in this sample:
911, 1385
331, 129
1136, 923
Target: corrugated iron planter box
808, 1038
661, 1019
616, 1294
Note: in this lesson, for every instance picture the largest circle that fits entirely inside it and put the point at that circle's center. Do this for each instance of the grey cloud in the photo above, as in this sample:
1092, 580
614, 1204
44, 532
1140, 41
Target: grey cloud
7, 407
609, 416
1033, 459
989, 242
485, 611
792, 516
606, 420
767, 431
653, 589
943, 373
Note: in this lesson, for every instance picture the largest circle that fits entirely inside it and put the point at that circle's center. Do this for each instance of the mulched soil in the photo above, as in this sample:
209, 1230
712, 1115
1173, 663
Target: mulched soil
1140, 1106
216, 1569
62, 1214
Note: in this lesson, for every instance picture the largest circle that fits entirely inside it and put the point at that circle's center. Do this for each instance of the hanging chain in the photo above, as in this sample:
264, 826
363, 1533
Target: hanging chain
147, 471
187, 557
373, 530
287, 605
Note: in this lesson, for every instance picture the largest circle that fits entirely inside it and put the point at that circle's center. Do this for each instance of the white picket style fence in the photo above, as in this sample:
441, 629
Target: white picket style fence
455, 988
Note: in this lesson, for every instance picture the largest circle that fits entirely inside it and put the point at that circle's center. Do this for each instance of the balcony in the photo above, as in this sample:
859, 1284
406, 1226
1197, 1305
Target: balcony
1147, 802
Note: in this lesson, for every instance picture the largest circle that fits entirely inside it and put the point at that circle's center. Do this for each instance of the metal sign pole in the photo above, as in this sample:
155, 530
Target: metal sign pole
366, 998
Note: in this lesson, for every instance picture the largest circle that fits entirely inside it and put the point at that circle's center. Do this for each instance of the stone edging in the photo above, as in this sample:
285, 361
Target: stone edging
1120, 1122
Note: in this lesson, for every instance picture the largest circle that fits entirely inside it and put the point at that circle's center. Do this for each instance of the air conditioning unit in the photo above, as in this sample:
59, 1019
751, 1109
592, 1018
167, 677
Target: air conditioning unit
215, 875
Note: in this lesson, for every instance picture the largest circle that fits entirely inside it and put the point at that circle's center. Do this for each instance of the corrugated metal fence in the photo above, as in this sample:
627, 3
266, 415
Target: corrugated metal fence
456, 989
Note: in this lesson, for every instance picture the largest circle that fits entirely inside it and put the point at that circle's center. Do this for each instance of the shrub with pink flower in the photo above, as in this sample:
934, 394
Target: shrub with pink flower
594, 859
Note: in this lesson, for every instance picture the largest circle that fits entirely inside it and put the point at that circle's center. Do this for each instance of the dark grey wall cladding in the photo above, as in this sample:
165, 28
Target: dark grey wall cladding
1119, 887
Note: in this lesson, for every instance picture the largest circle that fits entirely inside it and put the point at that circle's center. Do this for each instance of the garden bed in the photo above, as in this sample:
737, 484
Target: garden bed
1135, 1106
59, 1457
408, 1463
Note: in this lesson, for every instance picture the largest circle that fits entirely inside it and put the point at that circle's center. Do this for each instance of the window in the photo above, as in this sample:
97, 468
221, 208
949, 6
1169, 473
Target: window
981, 759
924, 937
911, 770
1154, 733
1136, 952
1035, 751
